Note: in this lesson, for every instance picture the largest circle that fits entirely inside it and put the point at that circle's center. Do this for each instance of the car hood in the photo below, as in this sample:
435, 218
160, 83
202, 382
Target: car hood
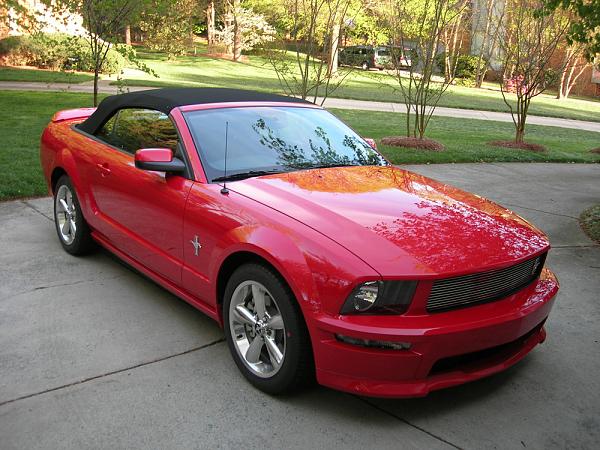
400, 223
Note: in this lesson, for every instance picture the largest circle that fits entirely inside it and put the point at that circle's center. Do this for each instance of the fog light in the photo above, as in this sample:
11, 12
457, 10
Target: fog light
387, 345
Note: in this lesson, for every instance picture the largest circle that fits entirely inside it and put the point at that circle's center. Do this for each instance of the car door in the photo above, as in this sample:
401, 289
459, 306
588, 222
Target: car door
142, 210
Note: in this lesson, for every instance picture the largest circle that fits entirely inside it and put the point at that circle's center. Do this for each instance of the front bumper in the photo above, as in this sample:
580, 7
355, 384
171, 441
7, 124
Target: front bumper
447, 348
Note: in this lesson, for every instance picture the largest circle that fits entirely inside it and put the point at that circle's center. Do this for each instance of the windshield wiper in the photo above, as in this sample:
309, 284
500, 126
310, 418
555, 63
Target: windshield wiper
244, 175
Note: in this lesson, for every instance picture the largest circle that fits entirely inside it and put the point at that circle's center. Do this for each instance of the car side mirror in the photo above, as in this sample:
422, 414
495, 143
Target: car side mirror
159, 160
371, 142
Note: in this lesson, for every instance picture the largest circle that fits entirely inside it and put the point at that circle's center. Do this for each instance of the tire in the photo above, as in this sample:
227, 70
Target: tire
364, 65
247, 333
67, 213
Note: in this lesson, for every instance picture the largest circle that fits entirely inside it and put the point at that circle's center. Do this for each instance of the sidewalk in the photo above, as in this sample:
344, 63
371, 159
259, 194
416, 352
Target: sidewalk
341, 103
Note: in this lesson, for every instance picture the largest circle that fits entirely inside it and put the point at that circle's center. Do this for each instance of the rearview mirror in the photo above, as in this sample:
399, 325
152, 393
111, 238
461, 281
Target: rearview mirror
159, 160
371, 142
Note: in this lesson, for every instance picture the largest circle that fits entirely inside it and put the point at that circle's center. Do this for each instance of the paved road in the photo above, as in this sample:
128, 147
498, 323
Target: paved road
341, 103
93, 355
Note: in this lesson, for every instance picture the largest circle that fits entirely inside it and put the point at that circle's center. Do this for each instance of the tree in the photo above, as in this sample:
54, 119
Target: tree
15, 12
168, 25
530, 41
314, 33
573, 66
210, 23
243, 29
586, 28
364, 24
104, 21
452, 38
487, 29
417, 28
574, 61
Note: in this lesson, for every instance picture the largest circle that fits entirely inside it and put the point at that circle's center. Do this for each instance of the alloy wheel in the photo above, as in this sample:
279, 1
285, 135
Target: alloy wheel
65, 214
257, 329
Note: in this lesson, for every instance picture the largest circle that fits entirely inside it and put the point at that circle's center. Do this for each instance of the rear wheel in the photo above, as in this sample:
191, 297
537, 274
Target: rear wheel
72, 229
265, 330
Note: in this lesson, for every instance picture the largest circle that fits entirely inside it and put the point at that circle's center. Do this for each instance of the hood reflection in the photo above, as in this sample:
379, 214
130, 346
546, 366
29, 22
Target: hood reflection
443, 228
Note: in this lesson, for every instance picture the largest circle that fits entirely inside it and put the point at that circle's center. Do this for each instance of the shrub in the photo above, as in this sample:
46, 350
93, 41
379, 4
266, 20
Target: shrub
56, 52
466, 67
18, 50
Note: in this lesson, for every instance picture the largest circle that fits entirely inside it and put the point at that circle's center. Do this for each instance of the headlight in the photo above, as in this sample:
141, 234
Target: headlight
380, 297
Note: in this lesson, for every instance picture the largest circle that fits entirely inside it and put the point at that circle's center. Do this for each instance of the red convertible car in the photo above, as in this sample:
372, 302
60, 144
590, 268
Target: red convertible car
317, 256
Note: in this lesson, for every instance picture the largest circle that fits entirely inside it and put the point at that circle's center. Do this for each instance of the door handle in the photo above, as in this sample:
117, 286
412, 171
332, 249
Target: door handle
103, 168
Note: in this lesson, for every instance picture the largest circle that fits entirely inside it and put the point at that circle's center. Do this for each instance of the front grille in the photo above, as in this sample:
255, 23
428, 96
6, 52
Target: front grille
468, 290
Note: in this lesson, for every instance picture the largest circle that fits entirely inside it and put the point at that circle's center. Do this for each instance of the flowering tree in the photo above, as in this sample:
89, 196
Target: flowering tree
243, 29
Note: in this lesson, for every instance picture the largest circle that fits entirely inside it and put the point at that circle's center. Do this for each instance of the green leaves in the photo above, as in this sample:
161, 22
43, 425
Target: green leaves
586, 28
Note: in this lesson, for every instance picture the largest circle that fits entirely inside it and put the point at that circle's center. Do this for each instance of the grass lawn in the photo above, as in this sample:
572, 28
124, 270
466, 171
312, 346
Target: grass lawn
466, 139
25, 114
42, 76
257, 74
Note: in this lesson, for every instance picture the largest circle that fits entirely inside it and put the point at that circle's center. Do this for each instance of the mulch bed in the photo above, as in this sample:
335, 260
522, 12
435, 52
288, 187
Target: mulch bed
413, 142
519, 145
595, 150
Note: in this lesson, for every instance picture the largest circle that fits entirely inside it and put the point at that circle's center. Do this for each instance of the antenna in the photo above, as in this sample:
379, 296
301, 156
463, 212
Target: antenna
224, 190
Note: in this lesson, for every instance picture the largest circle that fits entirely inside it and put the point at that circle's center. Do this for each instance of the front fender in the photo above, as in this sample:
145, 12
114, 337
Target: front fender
281, 251
320, 272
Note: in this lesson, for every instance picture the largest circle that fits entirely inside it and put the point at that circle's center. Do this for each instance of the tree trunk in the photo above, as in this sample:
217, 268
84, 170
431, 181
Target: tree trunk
332, 66
237, 32
210, 22
563, 74
522, 108
96, 85
573, 67
480, 73
128, 35
520, 132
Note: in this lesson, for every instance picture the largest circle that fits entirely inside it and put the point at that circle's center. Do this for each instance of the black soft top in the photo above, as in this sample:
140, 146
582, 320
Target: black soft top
165, 100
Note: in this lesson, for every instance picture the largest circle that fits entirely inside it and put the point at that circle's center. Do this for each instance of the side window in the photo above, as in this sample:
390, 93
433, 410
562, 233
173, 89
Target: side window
106, 132
134, 128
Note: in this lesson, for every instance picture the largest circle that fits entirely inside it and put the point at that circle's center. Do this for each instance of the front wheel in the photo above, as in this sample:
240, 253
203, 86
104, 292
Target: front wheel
265, 330
71, 227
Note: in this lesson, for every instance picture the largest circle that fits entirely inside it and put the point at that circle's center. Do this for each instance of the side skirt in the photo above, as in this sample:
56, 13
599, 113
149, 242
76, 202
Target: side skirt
158, 279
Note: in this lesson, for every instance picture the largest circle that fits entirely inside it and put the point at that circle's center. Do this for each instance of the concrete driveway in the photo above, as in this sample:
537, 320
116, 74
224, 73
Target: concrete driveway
93, 355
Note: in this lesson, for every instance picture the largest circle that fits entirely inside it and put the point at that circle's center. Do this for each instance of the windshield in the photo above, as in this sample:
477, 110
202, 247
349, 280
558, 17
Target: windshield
275, 139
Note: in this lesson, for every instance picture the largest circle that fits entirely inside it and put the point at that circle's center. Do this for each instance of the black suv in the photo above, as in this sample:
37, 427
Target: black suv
368, 57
